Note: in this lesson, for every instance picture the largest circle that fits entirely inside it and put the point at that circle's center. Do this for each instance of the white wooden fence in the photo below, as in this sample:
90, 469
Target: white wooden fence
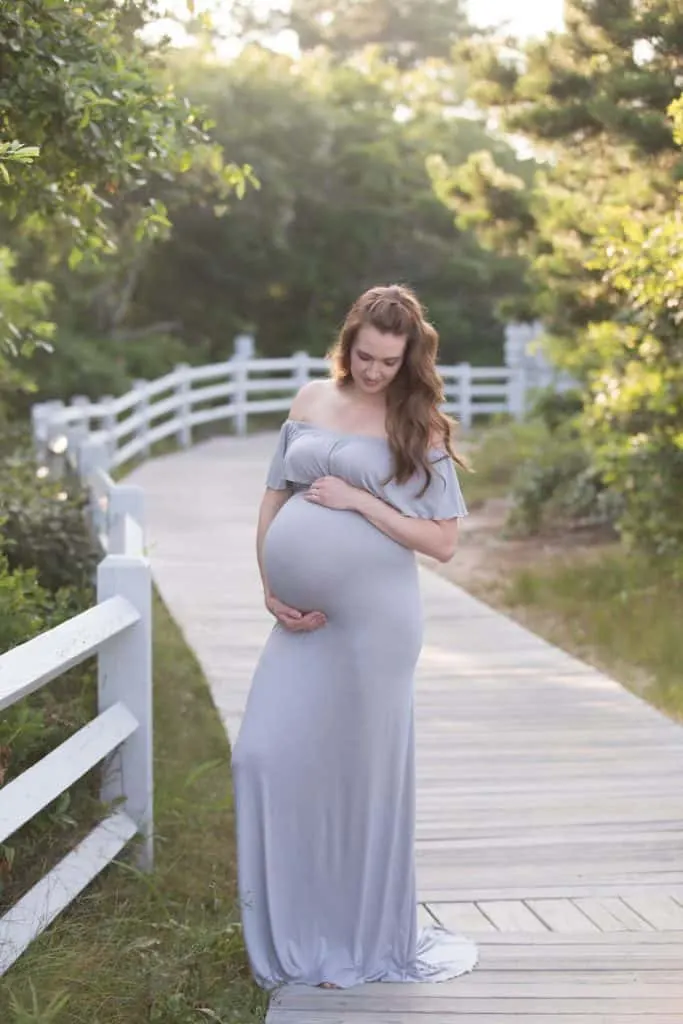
112, 431
117, 630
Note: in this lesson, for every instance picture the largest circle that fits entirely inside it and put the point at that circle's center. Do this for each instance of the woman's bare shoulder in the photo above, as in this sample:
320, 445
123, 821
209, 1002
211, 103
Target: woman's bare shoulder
311, 398
437, 438
440, 435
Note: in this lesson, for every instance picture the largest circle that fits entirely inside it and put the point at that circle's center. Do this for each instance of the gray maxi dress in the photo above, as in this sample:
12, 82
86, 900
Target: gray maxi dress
323, 767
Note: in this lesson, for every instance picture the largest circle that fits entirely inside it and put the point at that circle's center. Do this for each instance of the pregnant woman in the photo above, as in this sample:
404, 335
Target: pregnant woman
362, 478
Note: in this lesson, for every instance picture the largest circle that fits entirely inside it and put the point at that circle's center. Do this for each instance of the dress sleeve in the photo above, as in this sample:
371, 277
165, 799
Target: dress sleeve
276, 478
442, 499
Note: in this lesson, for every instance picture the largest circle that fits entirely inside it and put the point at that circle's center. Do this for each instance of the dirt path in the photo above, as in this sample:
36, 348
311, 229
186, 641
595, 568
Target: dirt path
486, 556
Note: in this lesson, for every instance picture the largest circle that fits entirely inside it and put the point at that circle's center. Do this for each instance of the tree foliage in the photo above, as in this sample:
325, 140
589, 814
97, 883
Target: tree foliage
75, 86
404, 33
24, 325
91, 139
600, 229
636, 413
345, 200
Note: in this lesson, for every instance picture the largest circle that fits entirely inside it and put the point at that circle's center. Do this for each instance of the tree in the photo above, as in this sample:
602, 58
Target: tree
600, 229
405, 33
593, 103
346, 201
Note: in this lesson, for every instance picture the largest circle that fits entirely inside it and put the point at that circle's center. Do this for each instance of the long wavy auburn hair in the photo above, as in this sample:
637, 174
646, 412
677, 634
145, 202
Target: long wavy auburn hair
414, 395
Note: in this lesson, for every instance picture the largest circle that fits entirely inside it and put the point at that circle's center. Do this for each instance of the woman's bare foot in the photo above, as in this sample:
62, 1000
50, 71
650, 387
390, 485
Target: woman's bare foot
327, 984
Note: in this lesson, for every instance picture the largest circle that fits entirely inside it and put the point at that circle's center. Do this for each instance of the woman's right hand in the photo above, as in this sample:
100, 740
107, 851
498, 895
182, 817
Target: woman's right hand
292, 618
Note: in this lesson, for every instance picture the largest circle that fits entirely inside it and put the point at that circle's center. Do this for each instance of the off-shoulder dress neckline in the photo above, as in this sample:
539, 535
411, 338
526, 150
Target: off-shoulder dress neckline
338, 433
356, 437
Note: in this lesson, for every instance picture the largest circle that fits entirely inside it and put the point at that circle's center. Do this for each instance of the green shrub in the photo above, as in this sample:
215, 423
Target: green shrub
151, 356
25, 606
100, 366
558, 484
27, 609
44, 526
495, 454
79, 366
555, 408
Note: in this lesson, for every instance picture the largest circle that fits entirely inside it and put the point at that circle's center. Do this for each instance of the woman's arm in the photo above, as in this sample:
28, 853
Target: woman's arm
436, 538
433, 537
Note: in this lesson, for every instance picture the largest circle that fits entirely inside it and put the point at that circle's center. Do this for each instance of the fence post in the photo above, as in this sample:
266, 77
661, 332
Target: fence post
41, 414
108, 422
142, 407
240, 377
244, 348
93, 454
517, 387
517, 337
57, 442
125, 675
299, 369
124, 500
78, 431
465, 395
184, 408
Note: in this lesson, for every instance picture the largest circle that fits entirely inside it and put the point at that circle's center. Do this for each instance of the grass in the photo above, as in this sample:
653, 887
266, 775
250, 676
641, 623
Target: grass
164, 948
616, 609
494, 454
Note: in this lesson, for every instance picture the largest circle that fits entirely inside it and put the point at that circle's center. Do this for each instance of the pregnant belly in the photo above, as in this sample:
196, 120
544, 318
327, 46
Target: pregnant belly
336, 562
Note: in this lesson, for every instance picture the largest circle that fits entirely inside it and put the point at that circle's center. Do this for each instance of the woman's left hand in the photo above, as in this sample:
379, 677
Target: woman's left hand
332, 492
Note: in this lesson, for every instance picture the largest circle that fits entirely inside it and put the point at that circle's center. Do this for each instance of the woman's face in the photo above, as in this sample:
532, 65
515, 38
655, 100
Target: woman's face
376, 359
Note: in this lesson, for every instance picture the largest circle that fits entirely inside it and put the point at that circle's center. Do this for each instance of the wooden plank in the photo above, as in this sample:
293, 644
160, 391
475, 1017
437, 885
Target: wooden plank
462, 917
49, 897
612, 914
504, 944
551, 958
612, 962
519, 981
280, 1016
424, 917
472, 885
481, 892
560, 915
597, 940
659, 910
511, 916
368, 1000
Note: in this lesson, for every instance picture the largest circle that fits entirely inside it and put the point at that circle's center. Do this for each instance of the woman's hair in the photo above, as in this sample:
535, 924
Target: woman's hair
416, 392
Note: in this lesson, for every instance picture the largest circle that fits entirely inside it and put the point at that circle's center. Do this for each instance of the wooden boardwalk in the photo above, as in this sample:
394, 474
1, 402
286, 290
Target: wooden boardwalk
550, 800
